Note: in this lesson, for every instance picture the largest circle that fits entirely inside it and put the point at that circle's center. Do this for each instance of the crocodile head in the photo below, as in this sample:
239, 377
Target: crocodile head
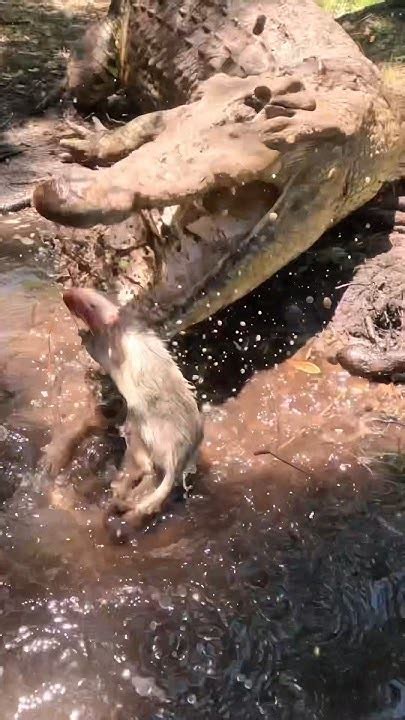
241, 180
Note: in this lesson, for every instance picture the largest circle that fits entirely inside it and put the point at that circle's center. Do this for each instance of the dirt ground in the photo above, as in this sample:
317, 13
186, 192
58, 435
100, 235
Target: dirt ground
34, 40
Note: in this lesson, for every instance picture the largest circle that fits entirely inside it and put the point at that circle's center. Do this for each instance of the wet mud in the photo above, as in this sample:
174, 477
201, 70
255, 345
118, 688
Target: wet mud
275, 590
35, 37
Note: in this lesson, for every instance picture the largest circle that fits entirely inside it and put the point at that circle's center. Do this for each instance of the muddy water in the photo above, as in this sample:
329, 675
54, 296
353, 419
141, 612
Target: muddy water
275, 591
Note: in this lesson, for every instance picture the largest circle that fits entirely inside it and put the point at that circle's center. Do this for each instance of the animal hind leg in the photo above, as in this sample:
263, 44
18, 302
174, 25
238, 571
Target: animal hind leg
150, 504
137, 467
121, 516
66, 438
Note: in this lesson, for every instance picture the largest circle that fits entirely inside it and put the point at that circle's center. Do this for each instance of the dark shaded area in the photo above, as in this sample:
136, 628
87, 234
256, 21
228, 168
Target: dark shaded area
379, 30
35, 37
279, 317
35, 40
292, 609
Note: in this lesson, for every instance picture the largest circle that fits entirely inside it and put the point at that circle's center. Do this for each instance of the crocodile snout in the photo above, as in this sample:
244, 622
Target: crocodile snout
79, 200
63, 199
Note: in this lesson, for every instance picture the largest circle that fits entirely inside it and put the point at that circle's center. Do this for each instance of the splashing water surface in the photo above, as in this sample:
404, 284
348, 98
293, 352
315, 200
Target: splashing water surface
270, 593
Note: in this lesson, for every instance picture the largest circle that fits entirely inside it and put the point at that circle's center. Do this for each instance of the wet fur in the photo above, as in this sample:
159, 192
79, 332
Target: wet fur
162, 410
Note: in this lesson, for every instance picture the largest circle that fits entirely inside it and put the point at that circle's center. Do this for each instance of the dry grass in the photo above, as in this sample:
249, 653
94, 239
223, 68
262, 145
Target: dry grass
340, 7
394, 76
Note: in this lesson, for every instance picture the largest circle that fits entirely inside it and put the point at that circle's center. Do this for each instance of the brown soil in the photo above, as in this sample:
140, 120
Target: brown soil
34, 39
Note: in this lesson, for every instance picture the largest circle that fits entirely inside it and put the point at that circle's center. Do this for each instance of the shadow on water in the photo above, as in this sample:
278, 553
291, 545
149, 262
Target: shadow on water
287, 311
285, 604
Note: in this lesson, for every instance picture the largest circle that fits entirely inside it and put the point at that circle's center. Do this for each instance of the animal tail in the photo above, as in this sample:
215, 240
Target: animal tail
152, 504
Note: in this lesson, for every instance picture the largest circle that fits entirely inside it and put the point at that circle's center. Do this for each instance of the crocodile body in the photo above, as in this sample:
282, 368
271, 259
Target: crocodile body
264, 126
160, 52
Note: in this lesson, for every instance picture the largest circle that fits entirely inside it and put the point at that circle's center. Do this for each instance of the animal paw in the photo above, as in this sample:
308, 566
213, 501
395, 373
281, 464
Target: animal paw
87, 145
120, 486
123, 520
63, 497
131, 486
54, 458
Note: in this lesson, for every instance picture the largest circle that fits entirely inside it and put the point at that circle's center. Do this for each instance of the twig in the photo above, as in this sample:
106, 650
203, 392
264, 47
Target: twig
286, 462
7, 152
350, 284
56, 93
16, 205
305, 428
370, 329
6, 122
54, 380
34, 309
50, 355
389, 421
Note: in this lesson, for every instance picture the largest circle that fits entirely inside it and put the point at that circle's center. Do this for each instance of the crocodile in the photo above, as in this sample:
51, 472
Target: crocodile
260, 127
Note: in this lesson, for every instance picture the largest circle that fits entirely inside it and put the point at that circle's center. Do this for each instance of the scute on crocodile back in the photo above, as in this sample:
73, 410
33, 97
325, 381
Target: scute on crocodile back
168, 48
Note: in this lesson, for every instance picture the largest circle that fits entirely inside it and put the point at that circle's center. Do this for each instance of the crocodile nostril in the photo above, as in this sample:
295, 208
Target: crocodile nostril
259, 25
263, 93
260, 97
254, 102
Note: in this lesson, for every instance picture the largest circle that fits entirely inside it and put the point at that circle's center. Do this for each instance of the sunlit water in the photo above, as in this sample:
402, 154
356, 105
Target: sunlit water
270, 593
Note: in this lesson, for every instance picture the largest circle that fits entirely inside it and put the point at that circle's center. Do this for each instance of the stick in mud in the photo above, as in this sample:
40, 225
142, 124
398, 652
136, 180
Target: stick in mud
265, 451
16, 205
